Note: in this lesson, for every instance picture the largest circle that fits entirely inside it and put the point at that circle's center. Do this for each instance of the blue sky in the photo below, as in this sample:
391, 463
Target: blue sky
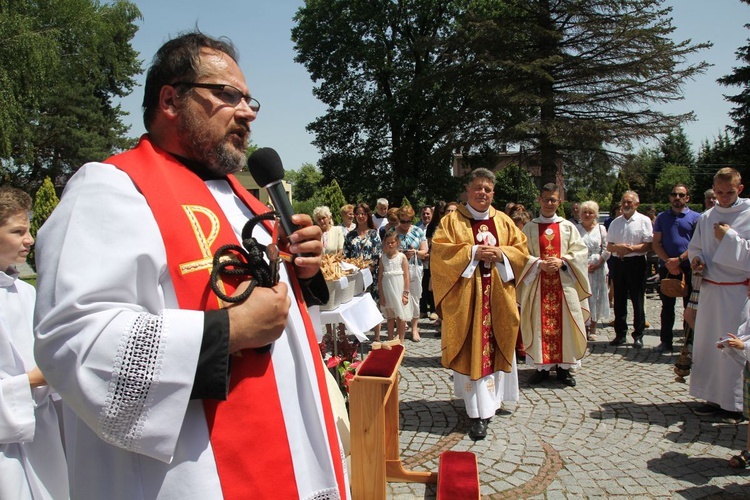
261, 32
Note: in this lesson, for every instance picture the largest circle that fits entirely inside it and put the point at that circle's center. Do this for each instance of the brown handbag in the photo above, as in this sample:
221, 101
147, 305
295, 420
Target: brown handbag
672, 287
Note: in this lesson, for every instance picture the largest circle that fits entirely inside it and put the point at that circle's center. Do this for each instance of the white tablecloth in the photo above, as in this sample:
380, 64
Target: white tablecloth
359, 315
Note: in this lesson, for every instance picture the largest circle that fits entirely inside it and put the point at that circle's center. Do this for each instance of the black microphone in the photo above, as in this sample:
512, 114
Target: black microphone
266, 168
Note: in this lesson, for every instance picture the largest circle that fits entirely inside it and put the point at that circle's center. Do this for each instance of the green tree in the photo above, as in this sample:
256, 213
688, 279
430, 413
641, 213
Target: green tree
712, 157
305, 182
740, 114
45, 202
589, 176
332, 197
621, 185
583, 73
63, 110
513, 183
638, 170
670, 175
385, 72
677, 149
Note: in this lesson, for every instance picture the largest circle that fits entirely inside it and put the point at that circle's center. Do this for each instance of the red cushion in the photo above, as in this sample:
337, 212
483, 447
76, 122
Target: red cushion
458, 477
381, 362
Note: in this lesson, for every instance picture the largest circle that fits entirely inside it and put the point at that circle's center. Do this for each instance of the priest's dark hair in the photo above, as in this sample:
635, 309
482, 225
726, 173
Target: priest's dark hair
13, 201
179, 60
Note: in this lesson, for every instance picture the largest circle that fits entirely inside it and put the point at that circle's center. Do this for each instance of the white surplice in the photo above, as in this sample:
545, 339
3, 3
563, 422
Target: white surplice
32, 462
106, 299
720, 307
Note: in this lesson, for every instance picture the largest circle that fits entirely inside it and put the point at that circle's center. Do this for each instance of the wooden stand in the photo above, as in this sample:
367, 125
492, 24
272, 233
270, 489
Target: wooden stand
374, 417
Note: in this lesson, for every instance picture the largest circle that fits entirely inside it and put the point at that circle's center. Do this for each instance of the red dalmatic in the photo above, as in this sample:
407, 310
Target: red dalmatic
552, 296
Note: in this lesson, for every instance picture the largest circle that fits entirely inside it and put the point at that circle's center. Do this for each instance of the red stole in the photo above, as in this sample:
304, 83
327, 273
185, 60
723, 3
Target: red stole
485, 233
247, 430
552, 296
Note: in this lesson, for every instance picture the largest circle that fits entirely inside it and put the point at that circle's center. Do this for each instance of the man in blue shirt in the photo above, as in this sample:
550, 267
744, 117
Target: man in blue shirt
673, 230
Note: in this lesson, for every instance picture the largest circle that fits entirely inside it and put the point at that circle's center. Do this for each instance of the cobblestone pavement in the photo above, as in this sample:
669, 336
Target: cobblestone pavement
626, 430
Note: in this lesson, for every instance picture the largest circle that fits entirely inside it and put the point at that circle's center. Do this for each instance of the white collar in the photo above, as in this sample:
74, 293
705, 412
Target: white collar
478, 215
9, 277
550, 220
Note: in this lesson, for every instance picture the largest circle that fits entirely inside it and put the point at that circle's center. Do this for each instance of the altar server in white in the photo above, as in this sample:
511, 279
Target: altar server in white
32, 462
721, 255
169, 391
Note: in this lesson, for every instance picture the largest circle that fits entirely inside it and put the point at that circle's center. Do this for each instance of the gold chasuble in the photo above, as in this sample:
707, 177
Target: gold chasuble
554, 307
480, 316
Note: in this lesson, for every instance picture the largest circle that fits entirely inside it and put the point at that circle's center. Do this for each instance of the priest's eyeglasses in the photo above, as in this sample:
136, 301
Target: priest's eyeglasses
227, 93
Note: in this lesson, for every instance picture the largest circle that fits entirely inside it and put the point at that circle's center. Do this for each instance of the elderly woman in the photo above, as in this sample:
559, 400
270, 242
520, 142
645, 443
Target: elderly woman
364, 242
333, 238
413, 243
347, 219
595, 237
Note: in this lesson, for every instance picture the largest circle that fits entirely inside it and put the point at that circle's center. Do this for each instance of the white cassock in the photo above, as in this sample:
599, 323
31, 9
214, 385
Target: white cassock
32, 462
483, 397
105, 299
720, 306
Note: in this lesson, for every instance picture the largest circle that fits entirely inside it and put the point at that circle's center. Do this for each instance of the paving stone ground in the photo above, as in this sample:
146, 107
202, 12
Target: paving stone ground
627, 430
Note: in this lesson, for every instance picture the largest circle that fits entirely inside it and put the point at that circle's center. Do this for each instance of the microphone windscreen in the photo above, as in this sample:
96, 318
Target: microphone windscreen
265, 166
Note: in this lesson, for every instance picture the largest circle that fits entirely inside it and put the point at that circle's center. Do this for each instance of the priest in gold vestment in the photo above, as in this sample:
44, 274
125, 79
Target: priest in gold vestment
477, 251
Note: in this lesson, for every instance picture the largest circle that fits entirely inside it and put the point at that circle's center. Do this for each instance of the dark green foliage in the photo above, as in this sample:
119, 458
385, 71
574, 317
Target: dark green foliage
63, 64
332, 197
621, 185
513, 183
407, 84
712, 157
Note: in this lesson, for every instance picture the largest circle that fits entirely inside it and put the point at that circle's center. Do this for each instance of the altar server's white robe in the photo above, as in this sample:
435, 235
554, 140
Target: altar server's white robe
720, 308
105, 298
32, 462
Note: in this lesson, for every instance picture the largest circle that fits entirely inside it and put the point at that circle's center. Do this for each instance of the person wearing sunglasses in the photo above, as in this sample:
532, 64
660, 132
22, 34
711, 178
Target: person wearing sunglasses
170, 391
673, 230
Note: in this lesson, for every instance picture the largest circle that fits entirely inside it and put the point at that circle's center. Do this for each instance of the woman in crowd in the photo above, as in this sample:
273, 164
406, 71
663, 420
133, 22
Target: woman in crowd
595, 237
333, 238
347, 219
413, 243
364, 242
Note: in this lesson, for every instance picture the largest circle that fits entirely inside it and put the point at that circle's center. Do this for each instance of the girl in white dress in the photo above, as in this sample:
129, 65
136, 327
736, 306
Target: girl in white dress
595, 237
393, 286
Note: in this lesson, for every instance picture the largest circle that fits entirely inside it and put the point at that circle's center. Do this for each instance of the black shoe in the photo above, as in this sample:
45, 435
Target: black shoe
731, 417
538, 376
664, 348
570, 381
638, 343
617, 341
707, 409
565, 377
478, 428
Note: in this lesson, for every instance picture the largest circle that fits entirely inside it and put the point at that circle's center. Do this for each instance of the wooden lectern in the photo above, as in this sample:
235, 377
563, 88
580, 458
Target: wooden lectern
374, 418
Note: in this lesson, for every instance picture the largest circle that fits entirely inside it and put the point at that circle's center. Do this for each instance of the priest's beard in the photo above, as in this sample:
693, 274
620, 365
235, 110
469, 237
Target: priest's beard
220, 156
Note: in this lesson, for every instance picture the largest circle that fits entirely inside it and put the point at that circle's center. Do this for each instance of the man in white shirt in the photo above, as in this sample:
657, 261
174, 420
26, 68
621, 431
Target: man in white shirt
629, 239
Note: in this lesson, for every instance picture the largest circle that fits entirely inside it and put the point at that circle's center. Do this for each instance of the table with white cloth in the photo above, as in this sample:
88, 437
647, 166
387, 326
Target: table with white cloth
358, 315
